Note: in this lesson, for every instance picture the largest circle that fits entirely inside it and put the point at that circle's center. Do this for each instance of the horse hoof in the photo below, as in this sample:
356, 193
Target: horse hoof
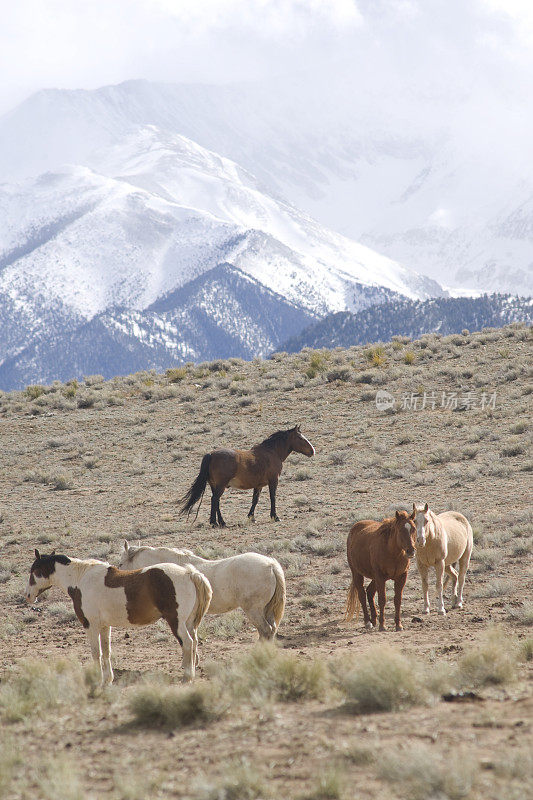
426, 611
382, 627
251, 518
442, 612
275, 518
399, 627
369, 626
457, 605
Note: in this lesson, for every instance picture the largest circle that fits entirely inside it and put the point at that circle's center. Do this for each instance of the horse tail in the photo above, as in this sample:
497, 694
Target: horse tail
204, 594
197, 489
275, 607
352, 603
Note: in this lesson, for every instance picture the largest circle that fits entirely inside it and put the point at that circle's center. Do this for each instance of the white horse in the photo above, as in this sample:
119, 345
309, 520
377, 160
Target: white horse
249, 581
442, 540
104, 596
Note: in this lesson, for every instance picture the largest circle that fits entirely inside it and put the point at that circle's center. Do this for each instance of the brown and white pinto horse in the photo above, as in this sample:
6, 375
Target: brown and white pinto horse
104, 596
246, 469
380, 551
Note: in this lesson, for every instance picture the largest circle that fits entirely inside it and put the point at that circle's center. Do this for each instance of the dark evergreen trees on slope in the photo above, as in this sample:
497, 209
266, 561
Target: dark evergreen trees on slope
412, 318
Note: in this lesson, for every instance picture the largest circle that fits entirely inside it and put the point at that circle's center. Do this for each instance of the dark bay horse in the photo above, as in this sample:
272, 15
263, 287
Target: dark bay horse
380, 551
246, 469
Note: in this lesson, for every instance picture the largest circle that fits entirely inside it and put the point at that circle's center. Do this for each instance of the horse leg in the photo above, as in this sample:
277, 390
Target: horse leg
382, 599
439, 574
423, 570
213, 515
358, 580
221, 522
255, 498
272, 486
188, 659
180, 631
399, 583
370, 592
93, 635
215, 508
105, 639
258, 620
451, 573
464, 561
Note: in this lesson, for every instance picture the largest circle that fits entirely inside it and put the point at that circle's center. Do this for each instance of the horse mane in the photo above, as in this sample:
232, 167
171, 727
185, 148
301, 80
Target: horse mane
386, 526
50, 559
274, 438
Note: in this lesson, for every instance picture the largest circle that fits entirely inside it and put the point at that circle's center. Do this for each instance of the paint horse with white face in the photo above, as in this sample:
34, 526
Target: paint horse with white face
106, 597
249, 581
246, 469
442, 540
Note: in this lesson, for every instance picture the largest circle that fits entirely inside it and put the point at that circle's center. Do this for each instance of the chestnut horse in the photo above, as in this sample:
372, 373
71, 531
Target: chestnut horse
246, 469
380, 551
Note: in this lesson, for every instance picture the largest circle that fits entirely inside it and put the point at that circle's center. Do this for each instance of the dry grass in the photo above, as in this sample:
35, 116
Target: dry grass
382, 679
267, 673
35, 686
240, 781
420, 772
493, 661
157, 706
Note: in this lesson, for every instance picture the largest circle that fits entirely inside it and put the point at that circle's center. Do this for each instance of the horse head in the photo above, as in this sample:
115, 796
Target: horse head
422, 522
298, 442
40, 574
405, 532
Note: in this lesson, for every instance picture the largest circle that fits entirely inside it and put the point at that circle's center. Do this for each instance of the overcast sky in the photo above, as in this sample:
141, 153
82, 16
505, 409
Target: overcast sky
444, 47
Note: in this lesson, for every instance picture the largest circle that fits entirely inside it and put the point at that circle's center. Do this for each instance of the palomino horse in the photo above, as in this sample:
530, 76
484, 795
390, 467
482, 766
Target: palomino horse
441, 541
246, 469
249, 581
380, 551
104, 596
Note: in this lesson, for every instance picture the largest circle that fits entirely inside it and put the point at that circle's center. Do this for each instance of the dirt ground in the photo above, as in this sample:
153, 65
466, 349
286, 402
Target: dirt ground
132, 451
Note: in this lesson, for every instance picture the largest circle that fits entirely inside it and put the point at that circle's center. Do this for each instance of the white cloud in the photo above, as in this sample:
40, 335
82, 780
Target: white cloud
401, 52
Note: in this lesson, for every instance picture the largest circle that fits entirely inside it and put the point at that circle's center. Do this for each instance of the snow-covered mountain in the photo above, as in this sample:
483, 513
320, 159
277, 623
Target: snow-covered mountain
153, 214
451, 209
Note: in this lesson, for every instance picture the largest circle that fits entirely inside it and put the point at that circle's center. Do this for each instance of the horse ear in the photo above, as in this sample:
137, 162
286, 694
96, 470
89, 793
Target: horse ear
37, 555
398, 515
426, 508
53, 553
126, 545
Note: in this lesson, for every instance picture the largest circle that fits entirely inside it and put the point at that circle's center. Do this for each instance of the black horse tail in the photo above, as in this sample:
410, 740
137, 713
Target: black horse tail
197, 489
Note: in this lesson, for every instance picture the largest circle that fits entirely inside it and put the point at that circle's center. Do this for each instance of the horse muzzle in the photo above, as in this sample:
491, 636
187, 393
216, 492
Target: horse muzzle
410, 553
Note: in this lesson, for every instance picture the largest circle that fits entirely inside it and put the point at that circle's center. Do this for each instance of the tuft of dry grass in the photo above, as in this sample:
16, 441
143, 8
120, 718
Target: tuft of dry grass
176, 374
420, 773
493, 661
267, 673
381, 679
328, 786
34, 686
157, 706
239, 782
